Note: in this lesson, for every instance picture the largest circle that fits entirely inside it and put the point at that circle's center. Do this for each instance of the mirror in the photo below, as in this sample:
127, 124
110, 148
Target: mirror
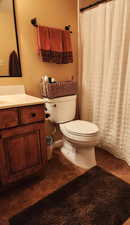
9, 49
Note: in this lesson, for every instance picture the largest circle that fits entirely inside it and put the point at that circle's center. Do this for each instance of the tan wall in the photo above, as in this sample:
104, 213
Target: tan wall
86, 3
55, 13
7, 41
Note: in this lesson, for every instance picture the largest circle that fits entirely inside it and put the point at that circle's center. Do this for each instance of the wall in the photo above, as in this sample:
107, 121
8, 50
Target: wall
56, 13
86, 3
6, 24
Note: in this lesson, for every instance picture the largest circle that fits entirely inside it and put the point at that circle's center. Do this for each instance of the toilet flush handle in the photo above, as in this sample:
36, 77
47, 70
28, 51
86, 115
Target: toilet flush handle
54, 105
47, 115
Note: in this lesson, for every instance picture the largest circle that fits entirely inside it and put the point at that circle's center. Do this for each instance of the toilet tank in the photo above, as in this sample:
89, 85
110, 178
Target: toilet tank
61, 109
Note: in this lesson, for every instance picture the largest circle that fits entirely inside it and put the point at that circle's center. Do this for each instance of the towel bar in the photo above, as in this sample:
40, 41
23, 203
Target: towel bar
35, 24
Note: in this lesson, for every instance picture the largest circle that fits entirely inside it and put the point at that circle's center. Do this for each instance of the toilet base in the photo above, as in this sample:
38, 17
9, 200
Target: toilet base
82, 156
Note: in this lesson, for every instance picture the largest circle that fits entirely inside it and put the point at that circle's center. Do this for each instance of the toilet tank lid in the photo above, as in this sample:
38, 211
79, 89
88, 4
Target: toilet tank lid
80, 127
60, 99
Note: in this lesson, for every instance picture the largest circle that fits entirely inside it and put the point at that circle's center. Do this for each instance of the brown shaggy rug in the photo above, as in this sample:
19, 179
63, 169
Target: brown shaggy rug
95, 198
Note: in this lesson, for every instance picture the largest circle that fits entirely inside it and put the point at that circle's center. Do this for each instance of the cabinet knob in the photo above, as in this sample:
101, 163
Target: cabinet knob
33, 114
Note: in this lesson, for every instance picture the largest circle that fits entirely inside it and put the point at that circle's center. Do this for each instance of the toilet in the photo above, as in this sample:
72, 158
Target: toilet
79, 137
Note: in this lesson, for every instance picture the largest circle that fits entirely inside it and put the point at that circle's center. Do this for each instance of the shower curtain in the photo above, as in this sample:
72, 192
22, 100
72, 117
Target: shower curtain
105, 73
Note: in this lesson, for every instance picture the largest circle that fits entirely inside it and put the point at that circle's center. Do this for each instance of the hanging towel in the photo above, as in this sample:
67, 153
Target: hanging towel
14, 67
43, 42
67, 47
54, 45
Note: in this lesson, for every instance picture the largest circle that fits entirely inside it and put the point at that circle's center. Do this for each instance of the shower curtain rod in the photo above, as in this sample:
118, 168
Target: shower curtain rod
93, 5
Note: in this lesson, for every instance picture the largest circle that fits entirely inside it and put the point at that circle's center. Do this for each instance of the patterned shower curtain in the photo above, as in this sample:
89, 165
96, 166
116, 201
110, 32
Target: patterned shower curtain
105, 86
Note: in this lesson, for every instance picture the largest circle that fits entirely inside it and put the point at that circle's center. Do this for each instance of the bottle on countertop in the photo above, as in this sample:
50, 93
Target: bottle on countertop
46, 80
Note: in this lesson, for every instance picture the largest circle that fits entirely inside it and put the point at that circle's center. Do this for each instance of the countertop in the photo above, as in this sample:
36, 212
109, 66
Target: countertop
17, 100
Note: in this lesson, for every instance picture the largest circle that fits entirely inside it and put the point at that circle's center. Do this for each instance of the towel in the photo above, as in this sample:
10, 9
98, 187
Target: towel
67, 47
43, 42
54, 45
14, 67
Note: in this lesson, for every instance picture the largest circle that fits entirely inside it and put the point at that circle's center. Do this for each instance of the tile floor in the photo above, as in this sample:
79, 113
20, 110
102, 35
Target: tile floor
59, 172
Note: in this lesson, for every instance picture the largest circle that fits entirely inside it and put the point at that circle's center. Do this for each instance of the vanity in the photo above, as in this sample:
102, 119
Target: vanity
22, 136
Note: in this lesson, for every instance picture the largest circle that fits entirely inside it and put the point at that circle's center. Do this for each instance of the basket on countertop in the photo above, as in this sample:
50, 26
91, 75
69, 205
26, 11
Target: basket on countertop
58, 89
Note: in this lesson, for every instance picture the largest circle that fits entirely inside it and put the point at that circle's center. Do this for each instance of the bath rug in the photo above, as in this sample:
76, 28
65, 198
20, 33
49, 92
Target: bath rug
95, 198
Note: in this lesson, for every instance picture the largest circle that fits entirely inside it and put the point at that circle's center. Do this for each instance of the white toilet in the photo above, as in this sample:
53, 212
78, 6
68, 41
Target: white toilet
80, 137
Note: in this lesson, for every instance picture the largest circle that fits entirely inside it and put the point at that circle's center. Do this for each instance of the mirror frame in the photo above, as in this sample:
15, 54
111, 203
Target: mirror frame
17, 42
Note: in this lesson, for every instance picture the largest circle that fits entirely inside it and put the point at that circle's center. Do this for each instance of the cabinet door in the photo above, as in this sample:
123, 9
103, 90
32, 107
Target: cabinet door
22, 152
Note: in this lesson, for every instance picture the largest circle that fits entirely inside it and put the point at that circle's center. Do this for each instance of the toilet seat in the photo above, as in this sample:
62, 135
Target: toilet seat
80, 130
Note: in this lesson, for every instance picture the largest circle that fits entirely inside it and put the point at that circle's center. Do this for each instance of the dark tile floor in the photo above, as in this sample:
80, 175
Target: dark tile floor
59, 172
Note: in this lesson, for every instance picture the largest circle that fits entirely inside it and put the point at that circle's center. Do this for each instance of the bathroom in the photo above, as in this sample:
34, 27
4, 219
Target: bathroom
59, 171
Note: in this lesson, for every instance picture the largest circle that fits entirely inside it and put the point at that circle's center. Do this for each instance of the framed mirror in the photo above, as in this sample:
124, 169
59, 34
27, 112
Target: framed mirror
10, 65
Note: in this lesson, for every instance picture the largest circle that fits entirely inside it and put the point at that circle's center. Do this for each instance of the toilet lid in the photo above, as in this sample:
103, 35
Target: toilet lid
81, 128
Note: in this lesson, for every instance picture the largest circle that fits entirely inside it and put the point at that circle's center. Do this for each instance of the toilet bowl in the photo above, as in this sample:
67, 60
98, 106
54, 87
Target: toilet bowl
79, 137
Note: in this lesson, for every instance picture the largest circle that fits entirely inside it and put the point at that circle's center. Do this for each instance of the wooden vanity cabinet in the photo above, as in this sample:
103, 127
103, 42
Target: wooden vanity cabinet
22, 146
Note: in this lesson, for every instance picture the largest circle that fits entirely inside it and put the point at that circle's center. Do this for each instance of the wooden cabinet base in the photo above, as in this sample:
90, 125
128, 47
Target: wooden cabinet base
4, 222
22, 151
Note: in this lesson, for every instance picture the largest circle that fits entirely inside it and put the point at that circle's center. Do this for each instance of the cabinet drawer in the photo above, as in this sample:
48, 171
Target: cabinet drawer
8, 118
31, 114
